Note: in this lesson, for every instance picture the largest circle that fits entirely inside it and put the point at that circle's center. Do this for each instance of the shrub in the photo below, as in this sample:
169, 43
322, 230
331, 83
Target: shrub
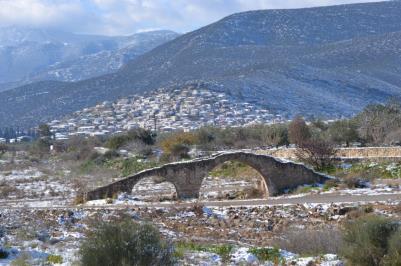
3, 149
22, 260
81, 149
311, 242
365, 240
223, 251
142, 135
266, 254
177, 146
3, 254
41, 147
132, 165
331, 183
125, 243
6, 190
393, 257
55, 259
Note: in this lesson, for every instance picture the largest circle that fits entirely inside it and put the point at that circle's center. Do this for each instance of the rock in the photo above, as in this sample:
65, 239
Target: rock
43, 236
53, 241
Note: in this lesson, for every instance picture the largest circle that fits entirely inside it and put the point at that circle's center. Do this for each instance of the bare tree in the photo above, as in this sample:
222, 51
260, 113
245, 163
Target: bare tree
317, 153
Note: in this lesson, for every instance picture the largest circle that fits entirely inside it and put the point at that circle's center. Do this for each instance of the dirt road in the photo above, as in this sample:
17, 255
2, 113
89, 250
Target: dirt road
49, 204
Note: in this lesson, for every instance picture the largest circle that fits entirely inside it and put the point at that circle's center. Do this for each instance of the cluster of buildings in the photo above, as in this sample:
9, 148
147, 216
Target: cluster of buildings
163, 110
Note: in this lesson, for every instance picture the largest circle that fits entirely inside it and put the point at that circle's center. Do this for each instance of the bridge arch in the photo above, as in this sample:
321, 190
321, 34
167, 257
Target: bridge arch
238, 178
154, 188
188, 176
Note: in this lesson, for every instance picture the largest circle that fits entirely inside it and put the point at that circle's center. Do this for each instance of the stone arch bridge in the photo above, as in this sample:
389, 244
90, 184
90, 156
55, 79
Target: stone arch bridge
187, 176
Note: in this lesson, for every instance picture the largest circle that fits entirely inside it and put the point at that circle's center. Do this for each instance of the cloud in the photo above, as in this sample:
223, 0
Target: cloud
38, 12
113, 17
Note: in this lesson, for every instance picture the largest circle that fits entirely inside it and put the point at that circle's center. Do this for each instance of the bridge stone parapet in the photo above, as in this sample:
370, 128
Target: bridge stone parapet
187, 176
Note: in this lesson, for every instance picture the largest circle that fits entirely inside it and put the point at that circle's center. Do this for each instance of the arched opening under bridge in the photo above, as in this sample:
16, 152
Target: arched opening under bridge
154, 189
233, 180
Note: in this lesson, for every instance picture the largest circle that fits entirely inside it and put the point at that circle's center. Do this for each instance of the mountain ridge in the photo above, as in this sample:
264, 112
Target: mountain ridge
29, 55
258, 55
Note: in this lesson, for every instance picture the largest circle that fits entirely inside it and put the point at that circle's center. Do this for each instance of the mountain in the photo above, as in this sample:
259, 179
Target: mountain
326, 61
28, 55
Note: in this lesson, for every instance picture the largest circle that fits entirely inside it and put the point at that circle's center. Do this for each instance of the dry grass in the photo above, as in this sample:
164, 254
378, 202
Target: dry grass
7, 190
311, 242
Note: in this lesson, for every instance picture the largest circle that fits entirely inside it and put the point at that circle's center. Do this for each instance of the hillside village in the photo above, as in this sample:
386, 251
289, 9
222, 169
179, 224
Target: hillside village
164, 110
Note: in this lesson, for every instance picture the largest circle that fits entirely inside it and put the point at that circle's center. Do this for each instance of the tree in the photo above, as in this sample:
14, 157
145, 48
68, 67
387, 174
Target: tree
317, 153
44, 131
377, 120
320, 124
275, 135
343, 131
298, 131
125, 243
205, 136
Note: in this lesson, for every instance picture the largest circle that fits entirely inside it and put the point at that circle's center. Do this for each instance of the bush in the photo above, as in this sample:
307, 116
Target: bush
132, 165
331, 183
178, 145
393, 257
366, 240
142, 135
223, 251
41, 147
3, 254
55, 259
81, 149
266, 254
125, 243
311, 242
3, 149
22, 260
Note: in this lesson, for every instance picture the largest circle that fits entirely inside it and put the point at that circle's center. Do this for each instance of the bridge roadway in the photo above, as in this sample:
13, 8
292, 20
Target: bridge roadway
50, 204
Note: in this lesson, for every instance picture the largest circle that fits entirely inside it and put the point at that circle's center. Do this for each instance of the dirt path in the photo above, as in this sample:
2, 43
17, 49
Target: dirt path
308, 199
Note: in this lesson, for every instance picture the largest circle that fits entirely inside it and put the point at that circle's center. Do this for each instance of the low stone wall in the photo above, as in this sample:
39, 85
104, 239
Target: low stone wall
343, 153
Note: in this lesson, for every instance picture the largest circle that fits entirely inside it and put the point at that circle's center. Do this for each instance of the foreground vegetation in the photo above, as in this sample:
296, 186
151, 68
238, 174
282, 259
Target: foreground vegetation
367, 240
126, 243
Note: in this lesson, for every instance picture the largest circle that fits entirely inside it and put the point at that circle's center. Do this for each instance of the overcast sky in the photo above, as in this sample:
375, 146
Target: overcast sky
115, 17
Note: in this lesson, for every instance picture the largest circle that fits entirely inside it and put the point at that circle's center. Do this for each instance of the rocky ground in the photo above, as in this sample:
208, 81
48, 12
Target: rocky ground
38, 219
40, 233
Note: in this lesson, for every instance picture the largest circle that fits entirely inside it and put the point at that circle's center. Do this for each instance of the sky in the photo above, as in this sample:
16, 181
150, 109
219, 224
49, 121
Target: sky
123, 17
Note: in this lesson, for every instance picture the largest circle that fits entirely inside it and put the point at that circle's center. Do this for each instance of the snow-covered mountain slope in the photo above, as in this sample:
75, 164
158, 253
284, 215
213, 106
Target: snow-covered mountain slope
328, 61
28, 55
